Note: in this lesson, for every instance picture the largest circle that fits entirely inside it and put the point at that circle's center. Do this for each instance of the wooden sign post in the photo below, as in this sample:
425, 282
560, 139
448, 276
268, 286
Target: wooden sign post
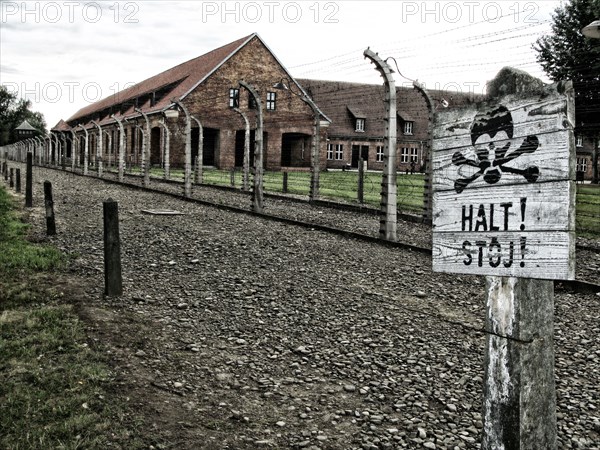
503, 206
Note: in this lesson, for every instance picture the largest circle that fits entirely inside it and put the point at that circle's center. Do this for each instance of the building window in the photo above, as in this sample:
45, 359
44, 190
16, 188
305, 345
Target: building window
271, 98
234, 98
414, 154
339, 152
360, 125
579, 141
582, 164
404, 155
408, 127
379, 155
329, 152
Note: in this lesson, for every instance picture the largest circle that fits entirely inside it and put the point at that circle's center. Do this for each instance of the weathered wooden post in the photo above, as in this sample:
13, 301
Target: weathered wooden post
11, 177
232, 177
49, 203
504, 196
29, 181
361, 181
285, 182
18, 180
113, 282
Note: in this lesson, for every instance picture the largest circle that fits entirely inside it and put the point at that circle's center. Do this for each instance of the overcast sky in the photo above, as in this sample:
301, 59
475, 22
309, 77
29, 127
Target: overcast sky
63, 55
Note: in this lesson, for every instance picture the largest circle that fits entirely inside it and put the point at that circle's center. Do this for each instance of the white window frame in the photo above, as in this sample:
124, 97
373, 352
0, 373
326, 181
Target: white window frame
404, 155
380, 152
582, 164
408, 127
271, 101
360, 125
234, 98
339, 152
414, 154
579, 141
329, 152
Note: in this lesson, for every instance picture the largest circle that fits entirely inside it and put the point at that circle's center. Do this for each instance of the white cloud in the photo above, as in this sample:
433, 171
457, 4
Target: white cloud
62, 55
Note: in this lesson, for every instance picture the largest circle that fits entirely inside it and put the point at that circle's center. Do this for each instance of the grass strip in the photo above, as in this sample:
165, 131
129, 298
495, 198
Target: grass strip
53, 386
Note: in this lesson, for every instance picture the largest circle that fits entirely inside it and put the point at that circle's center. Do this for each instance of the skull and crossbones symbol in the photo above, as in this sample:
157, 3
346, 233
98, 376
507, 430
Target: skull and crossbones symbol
490, 134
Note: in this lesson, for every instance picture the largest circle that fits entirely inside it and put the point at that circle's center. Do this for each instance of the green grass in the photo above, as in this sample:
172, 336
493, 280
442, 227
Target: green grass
588, 210
343, 186
16, 253
52, 385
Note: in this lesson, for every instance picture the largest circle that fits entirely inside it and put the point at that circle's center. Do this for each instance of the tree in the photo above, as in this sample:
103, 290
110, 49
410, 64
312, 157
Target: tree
567, 54
13, 111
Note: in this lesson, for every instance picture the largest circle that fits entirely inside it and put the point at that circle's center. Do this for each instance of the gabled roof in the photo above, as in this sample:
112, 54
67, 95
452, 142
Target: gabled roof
356, 113
344, 102
26, 126
175, 82
61, 126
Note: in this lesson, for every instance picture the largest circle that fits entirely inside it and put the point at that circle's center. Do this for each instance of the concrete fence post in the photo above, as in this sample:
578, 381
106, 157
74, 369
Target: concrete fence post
49, 203
113, 282
11, 177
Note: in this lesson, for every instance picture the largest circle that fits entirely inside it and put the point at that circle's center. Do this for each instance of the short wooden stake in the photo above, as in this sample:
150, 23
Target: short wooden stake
519, 365
232, 177
11, 177
285, 182
18, 180
113, 282
29, 182
49, 203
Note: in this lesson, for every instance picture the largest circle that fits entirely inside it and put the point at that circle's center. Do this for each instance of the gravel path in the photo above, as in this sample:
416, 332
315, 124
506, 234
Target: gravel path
268, 335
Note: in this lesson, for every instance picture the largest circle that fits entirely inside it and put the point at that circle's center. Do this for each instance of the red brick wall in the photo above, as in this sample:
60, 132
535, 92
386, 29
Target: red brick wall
209, 102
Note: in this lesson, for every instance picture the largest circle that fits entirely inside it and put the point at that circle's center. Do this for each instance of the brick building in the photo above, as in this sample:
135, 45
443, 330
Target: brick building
585, 147
358, 117
208, 87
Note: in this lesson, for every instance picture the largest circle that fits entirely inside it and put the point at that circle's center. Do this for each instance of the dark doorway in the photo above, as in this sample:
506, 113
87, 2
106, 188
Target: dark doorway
211, 141
195, 139
155, 147
359, 151
239, 147
210, 138
295, 150
69, 149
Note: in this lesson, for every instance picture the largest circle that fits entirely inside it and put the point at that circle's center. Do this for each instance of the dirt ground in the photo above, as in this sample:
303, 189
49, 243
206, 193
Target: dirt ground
234, 332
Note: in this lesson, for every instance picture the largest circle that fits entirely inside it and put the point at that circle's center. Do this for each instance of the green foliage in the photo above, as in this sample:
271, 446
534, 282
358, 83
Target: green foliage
13, 111
567, 54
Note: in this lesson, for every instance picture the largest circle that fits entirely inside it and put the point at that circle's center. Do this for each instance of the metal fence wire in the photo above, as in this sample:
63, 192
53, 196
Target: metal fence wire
348, 186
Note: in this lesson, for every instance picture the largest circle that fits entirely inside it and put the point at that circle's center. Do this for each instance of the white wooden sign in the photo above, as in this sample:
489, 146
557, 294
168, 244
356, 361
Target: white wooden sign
503, 187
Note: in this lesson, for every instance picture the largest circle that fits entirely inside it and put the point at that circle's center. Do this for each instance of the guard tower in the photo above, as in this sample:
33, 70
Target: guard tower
25, 131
